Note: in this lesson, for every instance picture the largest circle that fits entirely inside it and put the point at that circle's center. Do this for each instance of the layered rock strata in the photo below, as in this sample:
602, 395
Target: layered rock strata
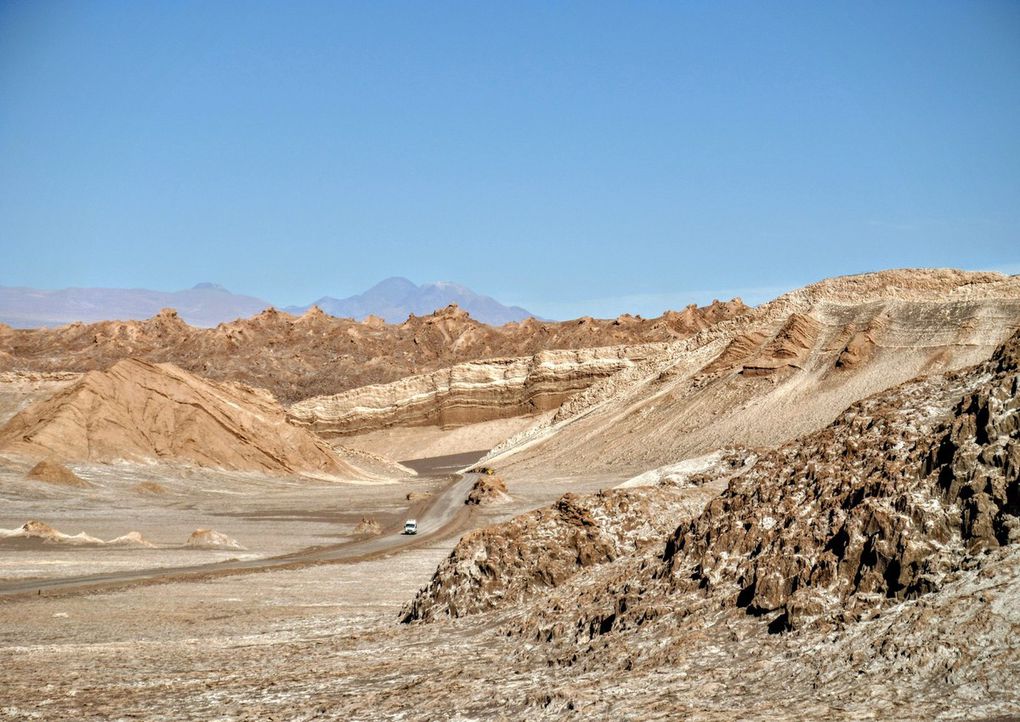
469, 393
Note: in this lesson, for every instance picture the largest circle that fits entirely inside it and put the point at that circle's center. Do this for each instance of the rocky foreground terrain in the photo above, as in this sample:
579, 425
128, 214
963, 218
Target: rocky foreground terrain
869, 569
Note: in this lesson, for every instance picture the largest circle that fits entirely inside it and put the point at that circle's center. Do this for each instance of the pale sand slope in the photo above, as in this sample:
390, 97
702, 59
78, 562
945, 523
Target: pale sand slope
140, 412
787, 369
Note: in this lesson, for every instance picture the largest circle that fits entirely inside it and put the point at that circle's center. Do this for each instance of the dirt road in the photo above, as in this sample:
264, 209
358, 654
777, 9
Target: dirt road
443, 515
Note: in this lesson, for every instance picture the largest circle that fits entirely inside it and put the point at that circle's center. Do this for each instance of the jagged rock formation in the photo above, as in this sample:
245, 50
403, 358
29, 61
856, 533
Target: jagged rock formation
889, 503
297, 357
783, 370
502, 565
138, 411
897, 499
487, 491
469, 393
788, 349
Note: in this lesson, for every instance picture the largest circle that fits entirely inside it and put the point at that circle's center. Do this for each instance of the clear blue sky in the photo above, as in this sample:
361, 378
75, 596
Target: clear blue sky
570, 157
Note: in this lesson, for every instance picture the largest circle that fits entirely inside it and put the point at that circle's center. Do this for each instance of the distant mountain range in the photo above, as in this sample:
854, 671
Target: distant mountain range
208, 304
395, 298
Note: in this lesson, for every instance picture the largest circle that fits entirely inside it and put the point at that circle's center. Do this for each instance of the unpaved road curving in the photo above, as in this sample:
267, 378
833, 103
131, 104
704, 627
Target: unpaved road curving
443, 515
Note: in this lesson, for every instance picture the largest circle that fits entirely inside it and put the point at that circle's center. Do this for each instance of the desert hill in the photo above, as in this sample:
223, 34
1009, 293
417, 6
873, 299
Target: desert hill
137, 411
785, 369
297, 357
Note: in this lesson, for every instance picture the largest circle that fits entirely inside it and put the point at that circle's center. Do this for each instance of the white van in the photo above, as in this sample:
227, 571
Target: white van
411, 526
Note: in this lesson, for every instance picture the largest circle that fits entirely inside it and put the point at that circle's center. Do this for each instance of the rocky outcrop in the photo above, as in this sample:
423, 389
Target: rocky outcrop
297, 357
53, 473
38, 531
885, 502
488, 490
788, 349
368, 526
741, 348
212, 539
861, 343
469, 393
142, 412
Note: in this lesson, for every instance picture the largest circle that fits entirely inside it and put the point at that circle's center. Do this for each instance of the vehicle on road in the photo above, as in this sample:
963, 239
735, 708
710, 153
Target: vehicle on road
411, 526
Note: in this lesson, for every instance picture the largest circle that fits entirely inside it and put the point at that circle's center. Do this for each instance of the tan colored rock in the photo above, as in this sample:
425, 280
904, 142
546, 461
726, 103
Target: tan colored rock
149, 487
54, 473
368, 527
41, 531
788, 349
19, 389
212, 539
488, 491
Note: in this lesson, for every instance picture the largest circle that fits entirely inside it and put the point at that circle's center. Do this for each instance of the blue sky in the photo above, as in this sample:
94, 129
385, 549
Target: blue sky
569, 157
